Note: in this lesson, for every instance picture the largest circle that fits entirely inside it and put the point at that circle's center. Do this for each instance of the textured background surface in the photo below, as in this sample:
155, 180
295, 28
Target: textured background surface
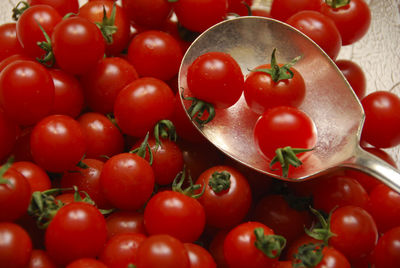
378, 53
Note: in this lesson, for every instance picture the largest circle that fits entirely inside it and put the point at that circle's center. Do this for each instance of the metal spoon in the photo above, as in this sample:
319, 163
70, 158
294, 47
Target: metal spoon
330, 101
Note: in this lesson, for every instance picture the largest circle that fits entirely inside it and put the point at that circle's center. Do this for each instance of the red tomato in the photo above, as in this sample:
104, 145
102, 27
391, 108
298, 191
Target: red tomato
149, 14
354, 75
199, 257
57, 143
384, 206
78, 45
175, 214
216, 248
121, 222
162, 251
121, 250
262, 92
382, 119
283, 9
103, 138
85, 263
293, 247
198, 15
239, 7
35, 175
10, 44
62, 6
103, 83
22, 147
4, 63
320, 28
127, 181
355, 232
8, 135
15, 246
387, 252
156, 54
141, 104
40, 259
216, 77
224, 186
26, 91
240, 249
68, 97
29, 32
78, 230
94, 12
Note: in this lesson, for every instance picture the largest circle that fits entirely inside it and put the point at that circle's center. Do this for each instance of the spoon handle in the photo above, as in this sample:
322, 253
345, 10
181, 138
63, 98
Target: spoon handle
374, 166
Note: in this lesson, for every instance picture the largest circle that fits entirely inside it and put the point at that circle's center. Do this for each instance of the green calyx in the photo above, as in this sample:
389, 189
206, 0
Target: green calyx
191, 190
48, 59
107, 25
279, 73
197, 109
166, 130
323, 231
287, 156
308, 255
220, 181
270, 245
3, 170
143, 149
337, 3
19, 9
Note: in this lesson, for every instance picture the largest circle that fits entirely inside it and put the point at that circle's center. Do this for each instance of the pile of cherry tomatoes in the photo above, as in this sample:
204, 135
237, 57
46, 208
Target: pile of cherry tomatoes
101, 166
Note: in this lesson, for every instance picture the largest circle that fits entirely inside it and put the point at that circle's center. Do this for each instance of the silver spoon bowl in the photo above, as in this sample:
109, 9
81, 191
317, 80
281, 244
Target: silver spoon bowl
329, 101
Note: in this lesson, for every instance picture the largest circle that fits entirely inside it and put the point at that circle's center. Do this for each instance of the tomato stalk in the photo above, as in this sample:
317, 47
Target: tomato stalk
308, 255
47, 47
166, 130
287, 156
191, 189
107, 26
19, 9
279, 73
4, 169
143, 148
337, 3
198, 108
270, 245
220, 181
322, 233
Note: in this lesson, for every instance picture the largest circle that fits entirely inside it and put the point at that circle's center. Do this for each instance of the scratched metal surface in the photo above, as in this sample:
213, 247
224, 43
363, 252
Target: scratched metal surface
378, 53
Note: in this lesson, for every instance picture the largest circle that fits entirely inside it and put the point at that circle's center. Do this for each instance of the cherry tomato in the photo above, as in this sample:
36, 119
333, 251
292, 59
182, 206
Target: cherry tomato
77, 45
283, 9
293, 247
355, 232
162, 251
86, 262
22, 147
121, 250
28, 29
216, 248
262, 92
94, 11
175, 214
103, 83
198, 15
216, 77
57, 143
199, 257
26, 91
239, 7
62, 6
40, 259
387, 252
103, 138
121, 222
352, 20
156, 54
382, 119
148, 14
320, 28
10, 44
220, 203
354, 75
141, 104
15, 246
8, 135
5, 62
78, 230
35, 175
127, 181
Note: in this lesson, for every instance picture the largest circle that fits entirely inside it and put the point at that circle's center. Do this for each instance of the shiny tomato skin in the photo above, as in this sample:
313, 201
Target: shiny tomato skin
121, 222
149, 14
62, 6
86, 263
8, 135
77, 45
78, 230
320, 28
354, 75
103, 83
10, 44
239, 248
262, 93
15, 246
222, 209
175, 214
40, 259
35, 175
283, 126
356, 232
352, 20
103, 138
216, 77
283, 9
155, 54
386, 254
162, 251
382, 119
127, 181
141, 104
199, 257
26, 91
57, 143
